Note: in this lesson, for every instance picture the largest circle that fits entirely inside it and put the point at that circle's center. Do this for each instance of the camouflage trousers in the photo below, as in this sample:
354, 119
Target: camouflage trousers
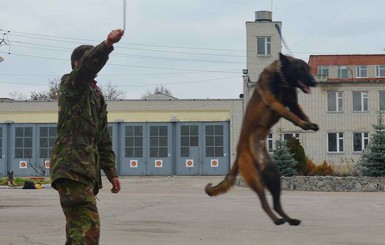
82, 218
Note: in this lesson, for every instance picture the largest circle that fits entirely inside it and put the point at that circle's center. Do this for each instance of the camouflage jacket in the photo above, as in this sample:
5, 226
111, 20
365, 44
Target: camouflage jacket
83, 146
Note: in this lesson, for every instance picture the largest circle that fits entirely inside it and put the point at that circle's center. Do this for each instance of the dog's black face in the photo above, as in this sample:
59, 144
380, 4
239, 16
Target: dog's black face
297, 73
10, 175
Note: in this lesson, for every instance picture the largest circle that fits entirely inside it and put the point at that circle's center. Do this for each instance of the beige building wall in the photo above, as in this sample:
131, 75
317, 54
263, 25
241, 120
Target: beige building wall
352, 71
28, 112
347, 122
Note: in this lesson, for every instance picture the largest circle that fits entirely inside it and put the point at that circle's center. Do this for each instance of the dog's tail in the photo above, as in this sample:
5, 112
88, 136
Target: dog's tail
225, 184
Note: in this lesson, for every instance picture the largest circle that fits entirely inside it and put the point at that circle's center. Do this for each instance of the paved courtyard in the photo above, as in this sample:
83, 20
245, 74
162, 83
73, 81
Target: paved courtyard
176, 211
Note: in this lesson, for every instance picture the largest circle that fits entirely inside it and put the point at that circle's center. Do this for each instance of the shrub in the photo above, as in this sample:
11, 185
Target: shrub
372, 162
322, 170
296, 148
309, 166
284, 160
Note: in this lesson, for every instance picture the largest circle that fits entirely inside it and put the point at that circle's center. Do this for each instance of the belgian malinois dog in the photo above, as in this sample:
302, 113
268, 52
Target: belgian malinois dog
275, 96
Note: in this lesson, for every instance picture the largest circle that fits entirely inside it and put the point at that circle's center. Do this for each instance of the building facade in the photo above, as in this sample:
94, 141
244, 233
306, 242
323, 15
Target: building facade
150, 137
345, 104
351, 89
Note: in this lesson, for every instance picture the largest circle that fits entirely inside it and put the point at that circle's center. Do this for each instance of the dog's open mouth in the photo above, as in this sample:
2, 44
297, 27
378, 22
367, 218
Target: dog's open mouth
305, 88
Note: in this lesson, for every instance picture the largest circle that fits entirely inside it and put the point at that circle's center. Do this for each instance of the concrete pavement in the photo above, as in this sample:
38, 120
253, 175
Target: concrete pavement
176, 211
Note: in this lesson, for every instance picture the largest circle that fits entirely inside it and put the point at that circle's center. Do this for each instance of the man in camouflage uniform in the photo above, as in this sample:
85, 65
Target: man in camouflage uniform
83, 146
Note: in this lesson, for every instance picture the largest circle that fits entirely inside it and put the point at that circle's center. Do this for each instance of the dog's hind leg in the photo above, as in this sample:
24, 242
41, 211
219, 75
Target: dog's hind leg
273, 183
279, 210
252, 179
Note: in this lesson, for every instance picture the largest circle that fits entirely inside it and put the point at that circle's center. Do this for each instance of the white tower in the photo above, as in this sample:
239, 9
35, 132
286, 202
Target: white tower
263, 43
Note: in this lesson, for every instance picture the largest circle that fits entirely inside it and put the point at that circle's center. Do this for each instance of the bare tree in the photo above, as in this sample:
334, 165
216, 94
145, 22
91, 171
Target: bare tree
17, 95
158, 90
54, 88
51, 94
111, 92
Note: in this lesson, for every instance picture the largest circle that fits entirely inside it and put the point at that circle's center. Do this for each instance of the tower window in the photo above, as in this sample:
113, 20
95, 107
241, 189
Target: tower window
263, 45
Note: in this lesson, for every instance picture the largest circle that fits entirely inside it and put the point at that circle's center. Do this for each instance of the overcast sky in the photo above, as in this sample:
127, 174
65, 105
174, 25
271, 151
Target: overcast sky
194, 48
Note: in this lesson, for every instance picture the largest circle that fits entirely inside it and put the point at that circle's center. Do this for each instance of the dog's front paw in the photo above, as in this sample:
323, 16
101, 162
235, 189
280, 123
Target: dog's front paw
314, 127
310, 126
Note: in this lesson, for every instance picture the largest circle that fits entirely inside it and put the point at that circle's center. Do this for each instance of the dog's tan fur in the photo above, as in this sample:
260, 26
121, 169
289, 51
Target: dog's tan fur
275, 96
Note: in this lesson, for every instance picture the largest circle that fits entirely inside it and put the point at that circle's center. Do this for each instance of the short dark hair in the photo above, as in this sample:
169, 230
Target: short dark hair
78, 53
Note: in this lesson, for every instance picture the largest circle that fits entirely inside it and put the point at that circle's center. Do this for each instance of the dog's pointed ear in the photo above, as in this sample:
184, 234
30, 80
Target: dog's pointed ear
12, 173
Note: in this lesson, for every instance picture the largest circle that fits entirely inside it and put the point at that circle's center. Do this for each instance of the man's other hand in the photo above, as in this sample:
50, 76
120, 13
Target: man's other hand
115, 185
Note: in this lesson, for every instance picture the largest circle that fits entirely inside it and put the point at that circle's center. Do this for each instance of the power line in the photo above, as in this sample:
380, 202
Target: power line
127, 65
34, 56
64, 49
140, 49
143, 85
173, 69
181, 83
122, 43
325, 23
101, 75
22, 43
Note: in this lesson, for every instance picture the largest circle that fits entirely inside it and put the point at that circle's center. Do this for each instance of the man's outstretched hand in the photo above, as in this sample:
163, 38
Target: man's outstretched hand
114, 37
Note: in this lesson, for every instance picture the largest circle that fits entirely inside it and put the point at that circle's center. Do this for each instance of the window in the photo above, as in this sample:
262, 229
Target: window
360, 141
380, 71
360, 101
362, 71
335, 142
133, 139
291, 135
270, 142
214, 141
335, 103
382, 100
47, 139
188, 137
158, 141
323, 71
23, 142
342, 72
263, 45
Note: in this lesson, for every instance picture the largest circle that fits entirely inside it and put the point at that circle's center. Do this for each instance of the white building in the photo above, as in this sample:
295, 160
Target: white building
351, 90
